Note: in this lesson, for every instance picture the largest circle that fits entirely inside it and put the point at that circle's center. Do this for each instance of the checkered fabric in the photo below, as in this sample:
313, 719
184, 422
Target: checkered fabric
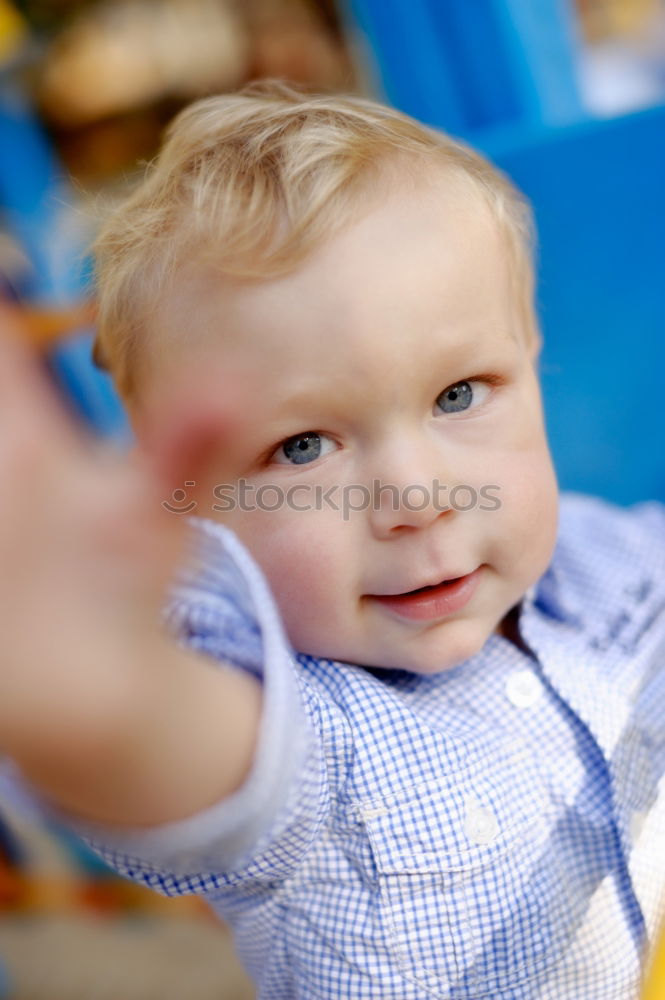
496, 831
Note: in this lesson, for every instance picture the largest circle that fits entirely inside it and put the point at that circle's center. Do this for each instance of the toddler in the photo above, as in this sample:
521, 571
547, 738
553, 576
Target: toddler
410, 738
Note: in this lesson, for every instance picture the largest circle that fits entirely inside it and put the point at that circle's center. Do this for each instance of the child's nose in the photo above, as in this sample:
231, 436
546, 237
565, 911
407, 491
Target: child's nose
410, 487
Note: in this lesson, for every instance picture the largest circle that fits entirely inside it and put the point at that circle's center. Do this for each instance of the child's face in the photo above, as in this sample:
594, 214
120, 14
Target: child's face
395, 356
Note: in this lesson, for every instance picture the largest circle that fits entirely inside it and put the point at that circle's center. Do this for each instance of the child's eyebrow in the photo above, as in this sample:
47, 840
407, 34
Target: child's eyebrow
304, 397
470, 353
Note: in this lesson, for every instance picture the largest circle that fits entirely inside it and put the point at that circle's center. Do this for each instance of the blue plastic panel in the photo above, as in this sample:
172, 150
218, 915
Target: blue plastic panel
599, 199
469, 64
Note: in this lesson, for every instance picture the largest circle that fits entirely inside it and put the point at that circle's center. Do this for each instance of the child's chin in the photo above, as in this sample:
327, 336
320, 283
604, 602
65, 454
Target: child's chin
443, 649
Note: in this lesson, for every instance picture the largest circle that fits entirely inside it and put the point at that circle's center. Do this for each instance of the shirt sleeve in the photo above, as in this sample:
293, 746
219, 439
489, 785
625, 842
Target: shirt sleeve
222, 607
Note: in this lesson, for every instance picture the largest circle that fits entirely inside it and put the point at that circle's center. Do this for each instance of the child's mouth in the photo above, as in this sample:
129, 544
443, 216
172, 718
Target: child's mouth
432, 586
431, 602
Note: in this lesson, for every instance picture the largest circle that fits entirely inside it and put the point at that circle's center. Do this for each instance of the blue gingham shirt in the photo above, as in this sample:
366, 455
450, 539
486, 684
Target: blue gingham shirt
496, 830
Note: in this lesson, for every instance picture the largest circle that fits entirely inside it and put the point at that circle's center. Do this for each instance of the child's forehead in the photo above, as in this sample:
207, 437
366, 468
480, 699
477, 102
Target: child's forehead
419, 279
411, 249
376, 318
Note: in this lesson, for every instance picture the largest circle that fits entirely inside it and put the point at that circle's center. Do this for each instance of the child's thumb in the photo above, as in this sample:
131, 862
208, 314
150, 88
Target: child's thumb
187, 433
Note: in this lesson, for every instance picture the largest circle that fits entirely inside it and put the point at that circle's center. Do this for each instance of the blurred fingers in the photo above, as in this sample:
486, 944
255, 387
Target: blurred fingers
28, 402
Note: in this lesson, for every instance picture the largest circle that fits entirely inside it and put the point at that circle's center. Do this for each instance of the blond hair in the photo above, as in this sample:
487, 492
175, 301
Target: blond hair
254, 181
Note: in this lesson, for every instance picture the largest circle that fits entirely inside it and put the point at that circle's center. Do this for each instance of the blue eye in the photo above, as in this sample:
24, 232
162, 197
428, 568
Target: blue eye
303, 448
460, 396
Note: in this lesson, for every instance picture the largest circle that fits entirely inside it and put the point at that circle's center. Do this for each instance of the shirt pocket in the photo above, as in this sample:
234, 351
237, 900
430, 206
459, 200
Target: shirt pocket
467, 893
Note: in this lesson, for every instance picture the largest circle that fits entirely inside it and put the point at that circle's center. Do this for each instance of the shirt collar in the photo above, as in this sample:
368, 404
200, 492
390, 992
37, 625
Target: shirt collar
549, 596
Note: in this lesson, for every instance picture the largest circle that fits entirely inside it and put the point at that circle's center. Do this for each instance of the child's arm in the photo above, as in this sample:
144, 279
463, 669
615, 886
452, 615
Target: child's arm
173, 747
105, 715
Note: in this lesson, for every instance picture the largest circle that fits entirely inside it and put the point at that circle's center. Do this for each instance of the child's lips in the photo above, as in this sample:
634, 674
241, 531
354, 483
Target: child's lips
429, 603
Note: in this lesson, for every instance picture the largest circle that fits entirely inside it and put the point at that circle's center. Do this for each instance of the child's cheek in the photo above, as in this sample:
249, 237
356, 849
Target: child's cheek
529, 511
302, 557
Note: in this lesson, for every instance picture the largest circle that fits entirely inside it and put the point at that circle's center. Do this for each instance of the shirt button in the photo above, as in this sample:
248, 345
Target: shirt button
523, 689
480, 823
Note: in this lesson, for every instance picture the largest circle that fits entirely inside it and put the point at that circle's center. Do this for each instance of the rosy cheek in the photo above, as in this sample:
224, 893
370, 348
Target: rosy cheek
308, 601
529, 508
296, 558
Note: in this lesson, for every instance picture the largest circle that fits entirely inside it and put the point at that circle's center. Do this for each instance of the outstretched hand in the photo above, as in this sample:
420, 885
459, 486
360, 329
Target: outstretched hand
86, 554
